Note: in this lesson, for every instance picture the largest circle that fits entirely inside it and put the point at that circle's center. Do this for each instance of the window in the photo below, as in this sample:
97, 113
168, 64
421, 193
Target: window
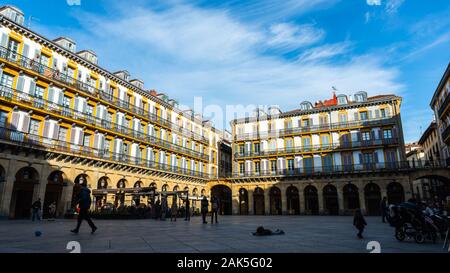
273, 165
387, 133
289, 124
256, 147
308, 164
257, 167
363, 115
305, 123
62, 134
3, 118
34, 127
325, 141
7, 80
13, 46
383, 113
323, 120
290, 164
342, 117
241, 168
289, 143
347, 161
241, 149
327, 163
44, 60
240, 131
87, 140
306, 141
365, 136
342, 100
107, 146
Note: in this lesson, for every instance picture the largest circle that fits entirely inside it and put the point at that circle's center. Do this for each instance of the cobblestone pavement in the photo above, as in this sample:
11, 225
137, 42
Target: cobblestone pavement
232, 234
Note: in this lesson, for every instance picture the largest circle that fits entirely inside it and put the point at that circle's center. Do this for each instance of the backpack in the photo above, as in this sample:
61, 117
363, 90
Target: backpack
85, 198
215, 205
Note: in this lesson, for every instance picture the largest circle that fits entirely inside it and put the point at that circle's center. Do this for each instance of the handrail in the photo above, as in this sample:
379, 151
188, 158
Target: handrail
312, 128
43, 143
86, 88
19, 96
323, 147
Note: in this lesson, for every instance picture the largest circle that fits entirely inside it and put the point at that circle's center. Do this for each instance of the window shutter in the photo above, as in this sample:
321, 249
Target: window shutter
14, 120
25, 123
370, 114
46, 129
107, 87
96, 141
32, 88
1, 73
25, 50
377, 113
372, 134
20, 83
4, 41
84, 106
375, 156
55, 131
388, 114
360, 159
356, 115
60, 97
73, 131
81, 137
77, 100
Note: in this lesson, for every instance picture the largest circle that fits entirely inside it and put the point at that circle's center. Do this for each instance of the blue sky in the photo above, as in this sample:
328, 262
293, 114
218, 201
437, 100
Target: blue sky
264, 52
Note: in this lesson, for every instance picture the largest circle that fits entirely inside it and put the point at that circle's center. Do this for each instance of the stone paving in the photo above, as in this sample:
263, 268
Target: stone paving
304, 234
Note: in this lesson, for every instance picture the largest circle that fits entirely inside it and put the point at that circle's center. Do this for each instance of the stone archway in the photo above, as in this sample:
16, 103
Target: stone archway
311, 200
119, 200
101, 199
351, 197
372, 195
395, 193
434, 187
258, 201
330, 200
2, 174
293, 200
81, 179
243, 201
22, 195
137, 198
223, 193
53, 191
275, 201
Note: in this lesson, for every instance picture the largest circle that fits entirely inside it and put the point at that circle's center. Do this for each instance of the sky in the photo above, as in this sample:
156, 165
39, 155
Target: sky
263, 52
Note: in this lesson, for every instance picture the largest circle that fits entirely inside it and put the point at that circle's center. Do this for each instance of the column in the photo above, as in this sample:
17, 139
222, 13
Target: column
340, 195
283, 200
250, 202
301, 196
6, 190
267, 201
235, 202
362, 198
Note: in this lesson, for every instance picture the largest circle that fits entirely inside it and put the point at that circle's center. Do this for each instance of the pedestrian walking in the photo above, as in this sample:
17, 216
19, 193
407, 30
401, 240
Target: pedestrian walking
174, 209
359, 222
383, 208
36, 210
204, 209
52, 211
214, 208
84, 203
188, 210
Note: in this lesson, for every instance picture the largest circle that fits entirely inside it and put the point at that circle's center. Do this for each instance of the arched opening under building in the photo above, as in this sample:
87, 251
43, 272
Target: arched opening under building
136, 197
311, 200
395, 193
101, 199
120, 195
275, 201
351, 197
223, 193
432, 188
258, 201
22, 195
372, 195
2, 174
293, 200
81, 179
53, 192
330, 200
243, 201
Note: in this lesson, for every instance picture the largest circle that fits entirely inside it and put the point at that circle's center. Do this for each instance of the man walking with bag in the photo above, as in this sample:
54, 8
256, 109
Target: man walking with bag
84, 203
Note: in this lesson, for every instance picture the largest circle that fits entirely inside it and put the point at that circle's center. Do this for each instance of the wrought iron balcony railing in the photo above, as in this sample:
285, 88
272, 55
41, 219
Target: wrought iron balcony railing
17, 96
319, 148
313, 128
47, 144
87, 89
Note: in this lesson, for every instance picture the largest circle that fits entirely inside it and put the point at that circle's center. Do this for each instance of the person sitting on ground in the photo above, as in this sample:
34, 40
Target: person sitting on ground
261, 231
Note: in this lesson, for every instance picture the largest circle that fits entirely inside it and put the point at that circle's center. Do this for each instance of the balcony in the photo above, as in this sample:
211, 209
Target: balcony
86, 89
444, 106
334, 169
47, 144
314, 128
446, 134
17, 96
319, 148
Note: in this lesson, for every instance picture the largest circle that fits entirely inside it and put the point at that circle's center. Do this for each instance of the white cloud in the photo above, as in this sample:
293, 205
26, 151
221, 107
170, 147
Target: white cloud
393, 5
324, 52
373, 2
188, 51
290, 36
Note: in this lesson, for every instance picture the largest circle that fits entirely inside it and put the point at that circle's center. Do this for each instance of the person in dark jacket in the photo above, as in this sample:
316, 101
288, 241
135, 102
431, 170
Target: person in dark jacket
36, 210
188, 210
359, 222
214, 208
84, 203
204, 209
384, 208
